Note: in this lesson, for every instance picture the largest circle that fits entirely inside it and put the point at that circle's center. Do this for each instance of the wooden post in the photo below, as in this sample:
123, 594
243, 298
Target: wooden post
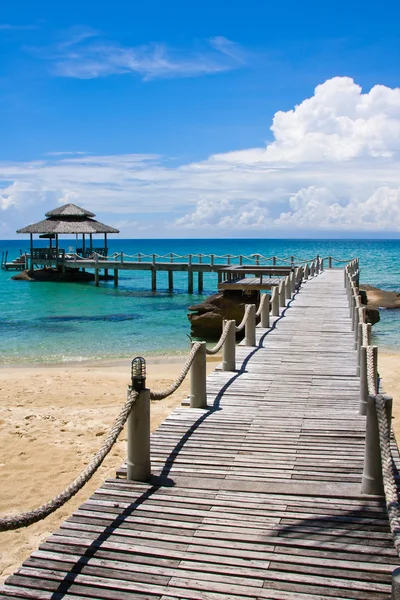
190, 281
116, 277
212, 260
219, 275
139, 257
293, 282
282, 299
170, 280
240, 260
274, 261
288, 288
138, 434
257, 260
265, 312
228, 259
395, 584
229, 348
153, 280
200, 281
275, 301
171, 257
364, 377
198, 374
31, 250
329, 262
250, 327
122, 258
372, 478
312, 269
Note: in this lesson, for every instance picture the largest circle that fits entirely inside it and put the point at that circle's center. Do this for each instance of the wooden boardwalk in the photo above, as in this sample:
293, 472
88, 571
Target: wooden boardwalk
256, 498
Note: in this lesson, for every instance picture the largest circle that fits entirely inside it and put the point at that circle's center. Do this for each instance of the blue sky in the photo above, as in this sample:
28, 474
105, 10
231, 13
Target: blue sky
157, 116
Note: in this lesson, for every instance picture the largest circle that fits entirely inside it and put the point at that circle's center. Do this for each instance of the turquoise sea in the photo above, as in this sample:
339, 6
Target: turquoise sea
53, 322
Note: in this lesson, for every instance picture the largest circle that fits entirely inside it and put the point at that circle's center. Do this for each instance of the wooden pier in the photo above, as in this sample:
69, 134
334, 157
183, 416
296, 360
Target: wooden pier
256, 497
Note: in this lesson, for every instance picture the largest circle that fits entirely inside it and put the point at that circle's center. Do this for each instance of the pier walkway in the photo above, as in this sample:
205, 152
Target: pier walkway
257, 497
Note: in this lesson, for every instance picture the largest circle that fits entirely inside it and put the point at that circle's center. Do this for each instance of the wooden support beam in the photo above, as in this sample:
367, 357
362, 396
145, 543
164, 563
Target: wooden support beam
190, 281
153, 280
200, 281
116, 277
170, 280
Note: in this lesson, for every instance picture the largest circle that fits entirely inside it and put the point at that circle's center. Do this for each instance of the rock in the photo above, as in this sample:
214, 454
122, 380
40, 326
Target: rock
377, 298
207, 317
51, 274
373, 316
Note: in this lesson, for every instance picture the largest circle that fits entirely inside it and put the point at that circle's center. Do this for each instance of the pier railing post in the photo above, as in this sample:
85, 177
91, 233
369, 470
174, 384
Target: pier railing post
288, 288
372, 478
282, 299
312, 269
229, 347
198, 375
250, 327
329, 262
275, 301
138, 435
364, 376
265, 312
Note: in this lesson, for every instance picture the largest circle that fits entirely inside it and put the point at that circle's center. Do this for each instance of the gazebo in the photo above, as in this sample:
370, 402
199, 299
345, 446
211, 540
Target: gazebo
68, 219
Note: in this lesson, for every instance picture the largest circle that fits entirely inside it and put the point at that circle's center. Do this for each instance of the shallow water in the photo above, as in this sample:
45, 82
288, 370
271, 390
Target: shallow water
54, 322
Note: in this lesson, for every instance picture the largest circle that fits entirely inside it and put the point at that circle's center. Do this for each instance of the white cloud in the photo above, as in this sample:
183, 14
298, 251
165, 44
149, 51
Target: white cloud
334, 166
338, 123
83, 57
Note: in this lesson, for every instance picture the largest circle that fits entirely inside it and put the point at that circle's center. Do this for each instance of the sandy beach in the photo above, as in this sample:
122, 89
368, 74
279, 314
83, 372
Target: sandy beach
53, 419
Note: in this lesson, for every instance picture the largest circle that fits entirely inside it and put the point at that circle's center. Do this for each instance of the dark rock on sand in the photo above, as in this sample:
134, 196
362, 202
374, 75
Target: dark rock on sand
206, 318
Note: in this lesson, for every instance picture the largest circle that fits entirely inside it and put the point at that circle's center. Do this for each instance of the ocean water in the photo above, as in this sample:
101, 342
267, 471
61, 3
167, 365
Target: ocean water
56, 323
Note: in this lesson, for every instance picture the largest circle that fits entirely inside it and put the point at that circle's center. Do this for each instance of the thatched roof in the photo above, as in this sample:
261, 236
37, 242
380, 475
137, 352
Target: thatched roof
66, 220
70, 210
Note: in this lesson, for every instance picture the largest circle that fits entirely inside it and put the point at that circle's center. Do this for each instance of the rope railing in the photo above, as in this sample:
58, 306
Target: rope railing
30, 517
245, 317
136, 410
379, 477
160, 395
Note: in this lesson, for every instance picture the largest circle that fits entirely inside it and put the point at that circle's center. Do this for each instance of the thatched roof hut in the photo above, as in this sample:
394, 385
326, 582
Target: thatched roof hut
70, 219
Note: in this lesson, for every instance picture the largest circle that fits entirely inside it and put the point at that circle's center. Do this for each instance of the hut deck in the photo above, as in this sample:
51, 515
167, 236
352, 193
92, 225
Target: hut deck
250, 283
256, 498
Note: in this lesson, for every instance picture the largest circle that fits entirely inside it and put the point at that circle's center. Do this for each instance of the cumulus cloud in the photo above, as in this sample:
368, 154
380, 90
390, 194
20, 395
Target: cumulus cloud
333, 166
338, 123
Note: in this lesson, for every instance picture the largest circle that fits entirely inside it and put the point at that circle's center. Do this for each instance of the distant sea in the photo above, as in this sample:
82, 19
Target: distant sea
62, 323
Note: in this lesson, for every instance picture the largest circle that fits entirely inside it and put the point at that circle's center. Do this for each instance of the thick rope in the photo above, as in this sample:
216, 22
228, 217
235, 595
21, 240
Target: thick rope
27, 518
243, 321
220, 342
389, 483
262, 302
372, 391
160, 395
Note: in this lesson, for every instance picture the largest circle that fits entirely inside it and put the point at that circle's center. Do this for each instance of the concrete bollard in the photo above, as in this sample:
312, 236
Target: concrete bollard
363, 381
288, 288
198, 374
293, 282
138, 435
250, 327
396, 584
372, 478
282, 300
229, 348
356, 322
275, 301
364, 376
265, 312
